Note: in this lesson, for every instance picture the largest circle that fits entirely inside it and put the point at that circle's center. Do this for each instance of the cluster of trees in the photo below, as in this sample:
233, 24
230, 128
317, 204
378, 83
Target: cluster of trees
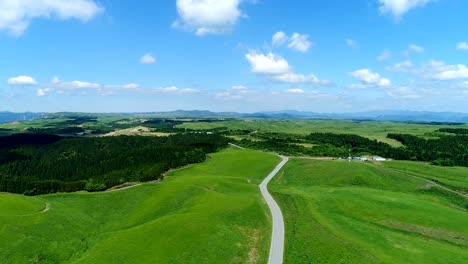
325, 144
57, 131
358, 145
458, 131
94, 164
445, 150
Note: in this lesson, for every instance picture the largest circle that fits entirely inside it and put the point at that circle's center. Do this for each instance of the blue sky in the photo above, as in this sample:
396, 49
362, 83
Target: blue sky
233, 55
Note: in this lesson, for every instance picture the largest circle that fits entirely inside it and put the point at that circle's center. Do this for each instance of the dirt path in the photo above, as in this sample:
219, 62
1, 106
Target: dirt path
131, 185
428, 181
236, 146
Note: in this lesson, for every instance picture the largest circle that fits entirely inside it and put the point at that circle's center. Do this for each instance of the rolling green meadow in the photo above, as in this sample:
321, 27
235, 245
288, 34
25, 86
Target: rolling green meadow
359, 212
207, 213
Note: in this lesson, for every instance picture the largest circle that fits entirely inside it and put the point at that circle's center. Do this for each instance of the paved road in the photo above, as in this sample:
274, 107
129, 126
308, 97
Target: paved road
277, 236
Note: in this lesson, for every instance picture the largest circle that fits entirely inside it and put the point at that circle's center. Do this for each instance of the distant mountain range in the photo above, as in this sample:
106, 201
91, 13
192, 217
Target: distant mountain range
8, 117
385, 115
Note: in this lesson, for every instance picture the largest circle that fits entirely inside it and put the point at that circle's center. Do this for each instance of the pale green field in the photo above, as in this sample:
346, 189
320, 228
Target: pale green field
371, 129
209, 213
352, 212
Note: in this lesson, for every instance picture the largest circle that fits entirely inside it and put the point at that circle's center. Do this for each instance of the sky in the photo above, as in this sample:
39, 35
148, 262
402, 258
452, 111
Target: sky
233, 55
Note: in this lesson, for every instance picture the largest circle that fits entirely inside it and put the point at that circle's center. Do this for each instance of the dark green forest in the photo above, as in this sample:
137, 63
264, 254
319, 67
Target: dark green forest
39, 164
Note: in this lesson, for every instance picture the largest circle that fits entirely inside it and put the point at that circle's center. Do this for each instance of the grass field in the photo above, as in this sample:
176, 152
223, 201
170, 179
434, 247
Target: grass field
352, 212
370, 129
209, 213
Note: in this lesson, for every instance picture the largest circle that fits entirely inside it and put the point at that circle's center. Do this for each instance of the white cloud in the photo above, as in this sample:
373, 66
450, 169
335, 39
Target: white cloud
462, 46
404, 66
207, 16
351, 43
16, 15
433, 70
235, 92
43, 92
148, 58
104, 89
270, 64
400, 7
292, 77
81, 85
174, 89
369, 79
295, 91
297, 42
131, 86
279, 39
386, 54
55, 80
22, 80
415, 48
300, 42
452, 72
277, 68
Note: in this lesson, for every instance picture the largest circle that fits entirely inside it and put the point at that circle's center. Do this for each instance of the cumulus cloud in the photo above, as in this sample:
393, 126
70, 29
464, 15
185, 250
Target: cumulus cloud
385, 55
462, 46
351, 43
452, 72
398, 8
148, 58
22, 80
300, 42
207, 16
278, 69
269, 64
16, 15
369, 79
43, 91
433, 70
279, 39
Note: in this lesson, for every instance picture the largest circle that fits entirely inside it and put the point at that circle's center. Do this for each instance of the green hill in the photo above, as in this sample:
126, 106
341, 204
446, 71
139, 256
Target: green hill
351, 212
208, 213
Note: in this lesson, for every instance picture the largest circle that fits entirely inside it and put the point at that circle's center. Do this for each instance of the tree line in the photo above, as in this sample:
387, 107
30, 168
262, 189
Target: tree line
450, 150
39, 164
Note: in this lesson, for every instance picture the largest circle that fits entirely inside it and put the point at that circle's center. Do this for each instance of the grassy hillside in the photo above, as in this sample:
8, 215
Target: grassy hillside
370, 129
340, 212
208, 213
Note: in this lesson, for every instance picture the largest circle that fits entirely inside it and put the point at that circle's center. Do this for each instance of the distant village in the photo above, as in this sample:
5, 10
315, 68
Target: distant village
364, 158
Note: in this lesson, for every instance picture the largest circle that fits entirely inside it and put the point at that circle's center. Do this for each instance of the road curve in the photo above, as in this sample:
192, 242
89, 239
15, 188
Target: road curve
277, 235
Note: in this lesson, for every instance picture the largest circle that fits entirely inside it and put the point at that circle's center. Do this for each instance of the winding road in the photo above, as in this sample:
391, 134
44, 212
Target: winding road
277, 236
